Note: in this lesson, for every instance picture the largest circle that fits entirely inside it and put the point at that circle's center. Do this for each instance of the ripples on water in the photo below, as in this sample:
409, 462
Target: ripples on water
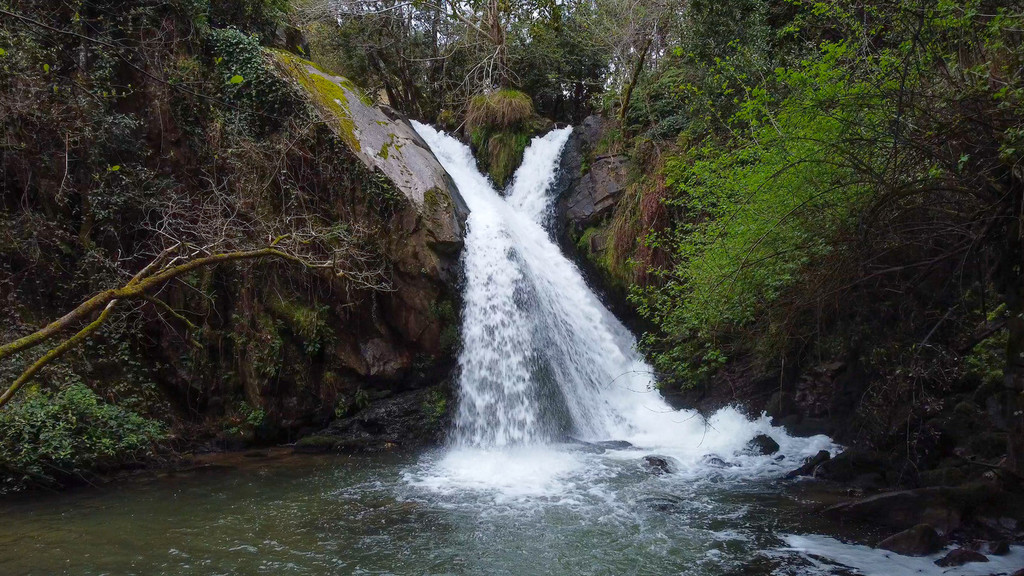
395, 514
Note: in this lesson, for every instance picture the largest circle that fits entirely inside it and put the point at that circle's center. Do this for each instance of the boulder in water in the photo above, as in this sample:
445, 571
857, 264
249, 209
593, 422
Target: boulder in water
921, 540
761, 445
961, 556
586, 447
1000, 548
853, 464
614, 444
660, 464
810, 464
715, 461
598, 447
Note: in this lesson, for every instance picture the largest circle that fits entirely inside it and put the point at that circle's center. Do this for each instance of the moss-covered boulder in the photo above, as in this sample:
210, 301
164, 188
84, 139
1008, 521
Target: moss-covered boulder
385, 142
500, 125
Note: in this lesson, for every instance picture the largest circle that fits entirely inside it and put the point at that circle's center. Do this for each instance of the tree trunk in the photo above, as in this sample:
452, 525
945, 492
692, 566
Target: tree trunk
1014, 370
627, 94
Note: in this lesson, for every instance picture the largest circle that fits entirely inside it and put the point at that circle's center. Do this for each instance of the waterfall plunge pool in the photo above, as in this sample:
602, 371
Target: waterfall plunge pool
391, 514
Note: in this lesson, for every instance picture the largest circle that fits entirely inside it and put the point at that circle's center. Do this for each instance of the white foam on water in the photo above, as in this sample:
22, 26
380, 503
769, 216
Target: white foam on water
543, 359
510, 474
876, 562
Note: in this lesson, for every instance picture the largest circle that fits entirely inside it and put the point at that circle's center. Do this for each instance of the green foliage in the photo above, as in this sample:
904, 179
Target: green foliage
53, 438
245, 419
559, 63
262, 17
767, 203
500, 125
435, 406
502, 153
261, 100
787, 176
172, 111
445, 313
310, 323
429, 64
984, 366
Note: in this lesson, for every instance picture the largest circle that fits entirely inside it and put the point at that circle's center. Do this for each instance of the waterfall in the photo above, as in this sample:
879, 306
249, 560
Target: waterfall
542, 359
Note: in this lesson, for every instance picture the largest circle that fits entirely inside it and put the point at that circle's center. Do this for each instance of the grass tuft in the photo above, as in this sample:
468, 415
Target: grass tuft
498, 110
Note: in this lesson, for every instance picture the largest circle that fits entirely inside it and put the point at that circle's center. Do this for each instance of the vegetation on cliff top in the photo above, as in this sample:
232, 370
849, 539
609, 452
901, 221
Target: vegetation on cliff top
500, 125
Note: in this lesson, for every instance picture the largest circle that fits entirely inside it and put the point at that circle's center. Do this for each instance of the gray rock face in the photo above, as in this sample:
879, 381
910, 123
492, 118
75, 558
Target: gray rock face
598, 190
921, 540
401, 338
386, 142
591, 192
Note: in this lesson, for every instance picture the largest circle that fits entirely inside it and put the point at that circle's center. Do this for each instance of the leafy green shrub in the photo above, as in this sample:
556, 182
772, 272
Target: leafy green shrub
761, 206
245, 419
260, 97
50, 439
261, 16
435, 406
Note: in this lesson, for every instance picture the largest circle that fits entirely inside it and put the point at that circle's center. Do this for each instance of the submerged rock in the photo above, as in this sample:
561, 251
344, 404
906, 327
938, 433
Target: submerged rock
715, 461
598, 447
412, 419
921, 540
660, 464
761, 445
663, 502
614, 444
961, 556
946, 509
316, 444
810, 465
587, 447
1001, 548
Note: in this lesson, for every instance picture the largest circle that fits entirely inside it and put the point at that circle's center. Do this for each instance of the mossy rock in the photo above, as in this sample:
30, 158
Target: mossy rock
988, 445
316, 444
945, 476
329, 92
501, 124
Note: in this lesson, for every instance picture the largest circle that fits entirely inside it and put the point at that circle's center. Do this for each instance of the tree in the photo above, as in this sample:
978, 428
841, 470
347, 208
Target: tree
215, 233
430, 58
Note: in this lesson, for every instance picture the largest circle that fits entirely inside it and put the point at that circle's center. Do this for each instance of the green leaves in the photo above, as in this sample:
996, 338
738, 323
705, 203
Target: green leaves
44, 437
236, 79
761, 203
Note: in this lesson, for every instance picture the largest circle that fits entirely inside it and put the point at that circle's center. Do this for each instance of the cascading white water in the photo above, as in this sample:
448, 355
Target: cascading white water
543, 360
